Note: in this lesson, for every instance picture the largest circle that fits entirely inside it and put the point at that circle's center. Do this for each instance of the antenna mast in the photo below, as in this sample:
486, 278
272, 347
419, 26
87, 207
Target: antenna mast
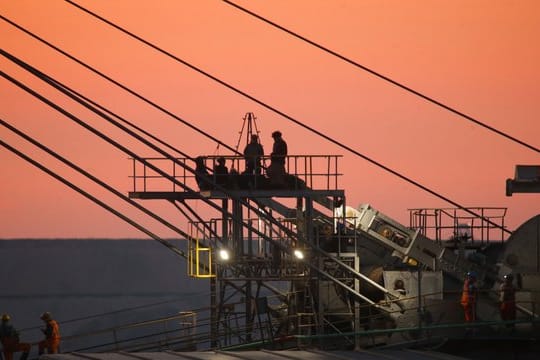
249, 126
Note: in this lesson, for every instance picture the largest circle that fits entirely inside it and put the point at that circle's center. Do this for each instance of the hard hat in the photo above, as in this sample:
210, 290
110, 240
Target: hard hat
471, 274
5, 317
46, 316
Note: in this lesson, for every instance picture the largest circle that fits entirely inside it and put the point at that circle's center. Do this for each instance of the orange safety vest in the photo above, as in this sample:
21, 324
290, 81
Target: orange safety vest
507, 293
55, 330
468, 296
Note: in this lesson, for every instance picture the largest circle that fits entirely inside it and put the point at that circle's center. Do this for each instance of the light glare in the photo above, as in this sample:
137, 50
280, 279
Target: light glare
224, 254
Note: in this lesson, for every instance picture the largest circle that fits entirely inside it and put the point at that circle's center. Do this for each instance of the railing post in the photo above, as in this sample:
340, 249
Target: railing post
174, 176
115, 340
134, 176
144, 177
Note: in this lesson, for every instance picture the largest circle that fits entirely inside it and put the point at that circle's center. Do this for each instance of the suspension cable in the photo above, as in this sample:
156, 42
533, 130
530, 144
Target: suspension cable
264, 214
288, 117
124, 149
380, 76
92, 198
97, 181
125, 121
120, 85
104, 137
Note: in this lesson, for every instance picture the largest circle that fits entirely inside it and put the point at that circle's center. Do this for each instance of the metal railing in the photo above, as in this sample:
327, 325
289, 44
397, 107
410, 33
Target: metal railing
188, 331
319, 172
441, 224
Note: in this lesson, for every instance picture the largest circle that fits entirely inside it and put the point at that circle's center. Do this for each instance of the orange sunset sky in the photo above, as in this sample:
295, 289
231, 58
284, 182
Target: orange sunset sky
479, 57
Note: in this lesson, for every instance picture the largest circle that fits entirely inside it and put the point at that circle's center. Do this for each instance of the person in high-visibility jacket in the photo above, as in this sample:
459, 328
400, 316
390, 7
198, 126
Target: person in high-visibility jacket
507, 299
469, 297
10, 340
52, 335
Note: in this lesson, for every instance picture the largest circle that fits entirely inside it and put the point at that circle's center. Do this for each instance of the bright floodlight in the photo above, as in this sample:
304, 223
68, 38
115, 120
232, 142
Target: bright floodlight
298, 254
224, 254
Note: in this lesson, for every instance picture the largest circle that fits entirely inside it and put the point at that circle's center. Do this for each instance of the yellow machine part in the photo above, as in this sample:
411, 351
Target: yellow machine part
200, 260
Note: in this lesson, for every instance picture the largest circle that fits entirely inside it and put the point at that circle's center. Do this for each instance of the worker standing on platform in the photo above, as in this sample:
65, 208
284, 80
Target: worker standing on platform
221, 172
507, 299
253, 153
201, 174
469, 297
279, 149
276, 171
52, 335
9, 337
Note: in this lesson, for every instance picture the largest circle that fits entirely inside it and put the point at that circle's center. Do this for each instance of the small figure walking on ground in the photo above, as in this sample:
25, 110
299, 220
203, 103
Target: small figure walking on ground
507, 299
9, 337
52, 335
469, 297
253, 153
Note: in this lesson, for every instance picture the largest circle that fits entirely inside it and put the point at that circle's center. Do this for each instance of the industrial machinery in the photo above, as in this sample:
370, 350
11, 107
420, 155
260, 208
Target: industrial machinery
291, 264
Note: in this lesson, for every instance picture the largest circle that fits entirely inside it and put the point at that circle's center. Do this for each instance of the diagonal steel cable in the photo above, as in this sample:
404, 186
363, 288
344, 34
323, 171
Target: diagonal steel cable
96, 180
381, 76
288, 117
92, 198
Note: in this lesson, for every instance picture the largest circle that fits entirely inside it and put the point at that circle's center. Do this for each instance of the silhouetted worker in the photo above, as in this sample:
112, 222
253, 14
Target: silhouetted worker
201, 174
253, 153
507, 299
279, 149
221, 172
9, 337
276, 171
469, 297
52, 335
234, 176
